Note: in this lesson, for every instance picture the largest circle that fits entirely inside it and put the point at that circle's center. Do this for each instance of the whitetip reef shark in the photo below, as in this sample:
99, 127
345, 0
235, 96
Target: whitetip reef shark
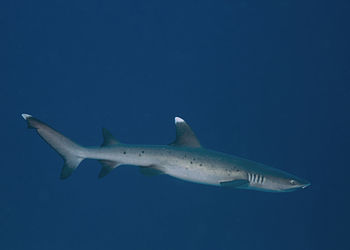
184, 159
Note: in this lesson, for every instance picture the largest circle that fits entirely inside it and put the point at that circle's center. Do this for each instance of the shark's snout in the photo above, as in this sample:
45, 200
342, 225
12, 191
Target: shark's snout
305, 185
292, 183
300, 184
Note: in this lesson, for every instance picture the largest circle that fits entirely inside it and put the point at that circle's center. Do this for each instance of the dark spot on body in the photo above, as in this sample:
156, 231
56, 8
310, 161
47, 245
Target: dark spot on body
142, 152
191, 162
124, 152
200, 164
139, 154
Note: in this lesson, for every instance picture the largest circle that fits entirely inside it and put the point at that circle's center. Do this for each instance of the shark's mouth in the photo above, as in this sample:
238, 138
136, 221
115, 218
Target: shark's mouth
306, 185
303, 186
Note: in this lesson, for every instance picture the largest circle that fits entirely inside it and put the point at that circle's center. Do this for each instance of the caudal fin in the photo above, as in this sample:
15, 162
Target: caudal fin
71, 152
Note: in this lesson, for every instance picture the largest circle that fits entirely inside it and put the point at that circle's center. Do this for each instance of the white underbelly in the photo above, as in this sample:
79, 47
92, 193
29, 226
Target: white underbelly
192, 175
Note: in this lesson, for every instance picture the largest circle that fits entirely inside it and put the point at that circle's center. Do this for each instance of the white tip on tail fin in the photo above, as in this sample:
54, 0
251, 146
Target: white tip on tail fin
71, 152
26, 116
178, 119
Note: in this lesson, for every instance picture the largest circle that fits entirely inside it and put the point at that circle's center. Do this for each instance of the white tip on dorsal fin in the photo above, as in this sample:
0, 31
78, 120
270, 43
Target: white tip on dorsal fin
178, 119
26, 116
184, 135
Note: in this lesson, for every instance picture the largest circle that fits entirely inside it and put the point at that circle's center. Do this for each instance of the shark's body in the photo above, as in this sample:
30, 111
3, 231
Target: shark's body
185, 159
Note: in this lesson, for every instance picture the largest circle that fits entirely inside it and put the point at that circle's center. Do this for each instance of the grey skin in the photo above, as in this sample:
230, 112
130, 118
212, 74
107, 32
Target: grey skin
184, 159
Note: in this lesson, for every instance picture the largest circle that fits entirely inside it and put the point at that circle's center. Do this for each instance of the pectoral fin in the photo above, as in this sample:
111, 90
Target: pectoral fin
234, 183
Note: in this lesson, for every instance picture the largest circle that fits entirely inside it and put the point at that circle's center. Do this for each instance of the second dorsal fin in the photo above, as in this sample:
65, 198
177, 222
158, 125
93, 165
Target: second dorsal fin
184, 135
108, 138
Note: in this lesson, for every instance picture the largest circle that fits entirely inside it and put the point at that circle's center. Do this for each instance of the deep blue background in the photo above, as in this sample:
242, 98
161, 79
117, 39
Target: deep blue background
265, 80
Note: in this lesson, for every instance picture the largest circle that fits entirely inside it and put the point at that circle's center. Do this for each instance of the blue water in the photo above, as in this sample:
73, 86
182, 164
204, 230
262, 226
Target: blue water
264, 80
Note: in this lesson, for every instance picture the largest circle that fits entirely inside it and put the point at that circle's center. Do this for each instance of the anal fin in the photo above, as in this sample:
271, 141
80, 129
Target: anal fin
70, 164
107, 167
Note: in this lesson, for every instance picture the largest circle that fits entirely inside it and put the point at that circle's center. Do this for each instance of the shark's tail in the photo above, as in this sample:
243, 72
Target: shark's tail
71, 152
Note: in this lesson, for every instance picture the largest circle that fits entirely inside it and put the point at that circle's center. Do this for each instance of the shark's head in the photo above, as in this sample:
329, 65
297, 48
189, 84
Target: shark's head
279, 181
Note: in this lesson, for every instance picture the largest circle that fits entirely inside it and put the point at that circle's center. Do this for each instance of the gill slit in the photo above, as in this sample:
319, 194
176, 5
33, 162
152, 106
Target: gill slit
256, 178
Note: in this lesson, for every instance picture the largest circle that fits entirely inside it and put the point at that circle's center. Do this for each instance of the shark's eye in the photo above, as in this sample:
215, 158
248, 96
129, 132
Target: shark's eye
292, 182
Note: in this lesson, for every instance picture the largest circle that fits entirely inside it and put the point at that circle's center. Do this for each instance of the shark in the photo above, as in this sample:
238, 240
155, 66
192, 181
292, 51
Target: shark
184, 158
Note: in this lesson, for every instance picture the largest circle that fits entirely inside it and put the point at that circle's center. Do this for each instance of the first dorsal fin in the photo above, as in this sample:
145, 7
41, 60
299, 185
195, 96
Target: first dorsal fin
184, 135
108, 138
